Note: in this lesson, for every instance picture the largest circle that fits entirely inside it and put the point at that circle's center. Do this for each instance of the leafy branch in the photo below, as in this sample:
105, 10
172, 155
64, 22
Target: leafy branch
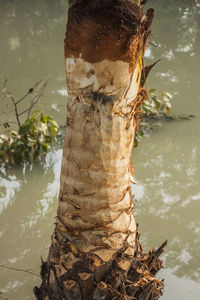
35, 92
157, 106
34, 136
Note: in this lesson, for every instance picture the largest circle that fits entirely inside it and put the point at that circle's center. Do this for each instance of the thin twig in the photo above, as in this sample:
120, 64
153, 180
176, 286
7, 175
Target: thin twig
16, 110
154, 45
20, 270
30, 91
42, 86
31, 106
9, 95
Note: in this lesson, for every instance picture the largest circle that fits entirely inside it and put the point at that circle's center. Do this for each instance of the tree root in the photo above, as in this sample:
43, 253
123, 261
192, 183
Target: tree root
87, 277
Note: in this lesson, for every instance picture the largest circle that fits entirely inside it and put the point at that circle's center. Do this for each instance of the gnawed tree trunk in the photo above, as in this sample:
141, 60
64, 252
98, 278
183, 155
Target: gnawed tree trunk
95, 251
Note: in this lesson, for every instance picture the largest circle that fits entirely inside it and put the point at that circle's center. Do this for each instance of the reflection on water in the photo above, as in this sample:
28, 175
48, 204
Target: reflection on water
167, 163
26, 222
168, 206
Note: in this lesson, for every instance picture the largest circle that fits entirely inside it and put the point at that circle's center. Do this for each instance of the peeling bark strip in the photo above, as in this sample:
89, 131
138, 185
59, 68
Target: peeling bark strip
94, 253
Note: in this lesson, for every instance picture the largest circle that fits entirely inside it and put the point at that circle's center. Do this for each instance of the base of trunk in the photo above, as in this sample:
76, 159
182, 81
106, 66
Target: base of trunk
89, 278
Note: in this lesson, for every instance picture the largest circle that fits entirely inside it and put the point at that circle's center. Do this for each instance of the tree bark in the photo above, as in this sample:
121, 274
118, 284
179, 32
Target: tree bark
95, 251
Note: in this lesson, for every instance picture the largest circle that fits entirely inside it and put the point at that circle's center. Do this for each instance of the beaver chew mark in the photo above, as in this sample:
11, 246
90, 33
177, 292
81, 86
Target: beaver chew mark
104, 29
101, 97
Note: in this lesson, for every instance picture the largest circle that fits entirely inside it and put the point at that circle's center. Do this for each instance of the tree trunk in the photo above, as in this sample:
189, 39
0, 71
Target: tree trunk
94, 252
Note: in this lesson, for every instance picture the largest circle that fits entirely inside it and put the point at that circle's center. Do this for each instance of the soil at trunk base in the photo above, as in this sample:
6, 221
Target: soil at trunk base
89, 278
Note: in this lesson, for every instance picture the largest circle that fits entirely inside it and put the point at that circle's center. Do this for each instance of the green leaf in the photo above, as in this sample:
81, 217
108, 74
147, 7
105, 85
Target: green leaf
54, 123
137, 2
4, 137
43, 128
45, 147
168, 95
152, 90
36, 114
44, 118
54, 132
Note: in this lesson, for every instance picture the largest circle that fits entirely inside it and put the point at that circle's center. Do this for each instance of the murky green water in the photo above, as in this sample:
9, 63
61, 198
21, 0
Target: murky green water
167, 164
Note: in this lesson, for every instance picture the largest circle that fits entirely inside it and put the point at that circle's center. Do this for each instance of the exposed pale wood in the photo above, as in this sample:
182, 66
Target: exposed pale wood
95, 252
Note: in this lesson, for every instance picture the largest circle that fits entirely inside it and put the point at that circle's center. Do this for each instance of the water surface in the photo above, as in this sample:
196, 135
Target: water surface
167, 162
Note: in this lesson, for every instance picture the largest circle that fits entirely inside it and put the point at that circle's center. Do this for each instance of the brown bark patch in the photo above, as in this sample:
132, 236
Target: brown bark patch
125, 277
104, 30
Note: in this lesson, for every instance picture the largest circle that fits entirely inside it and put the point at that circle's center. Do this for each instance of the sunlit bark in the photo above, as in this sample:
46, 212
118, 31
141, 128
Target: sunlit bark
104, 49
